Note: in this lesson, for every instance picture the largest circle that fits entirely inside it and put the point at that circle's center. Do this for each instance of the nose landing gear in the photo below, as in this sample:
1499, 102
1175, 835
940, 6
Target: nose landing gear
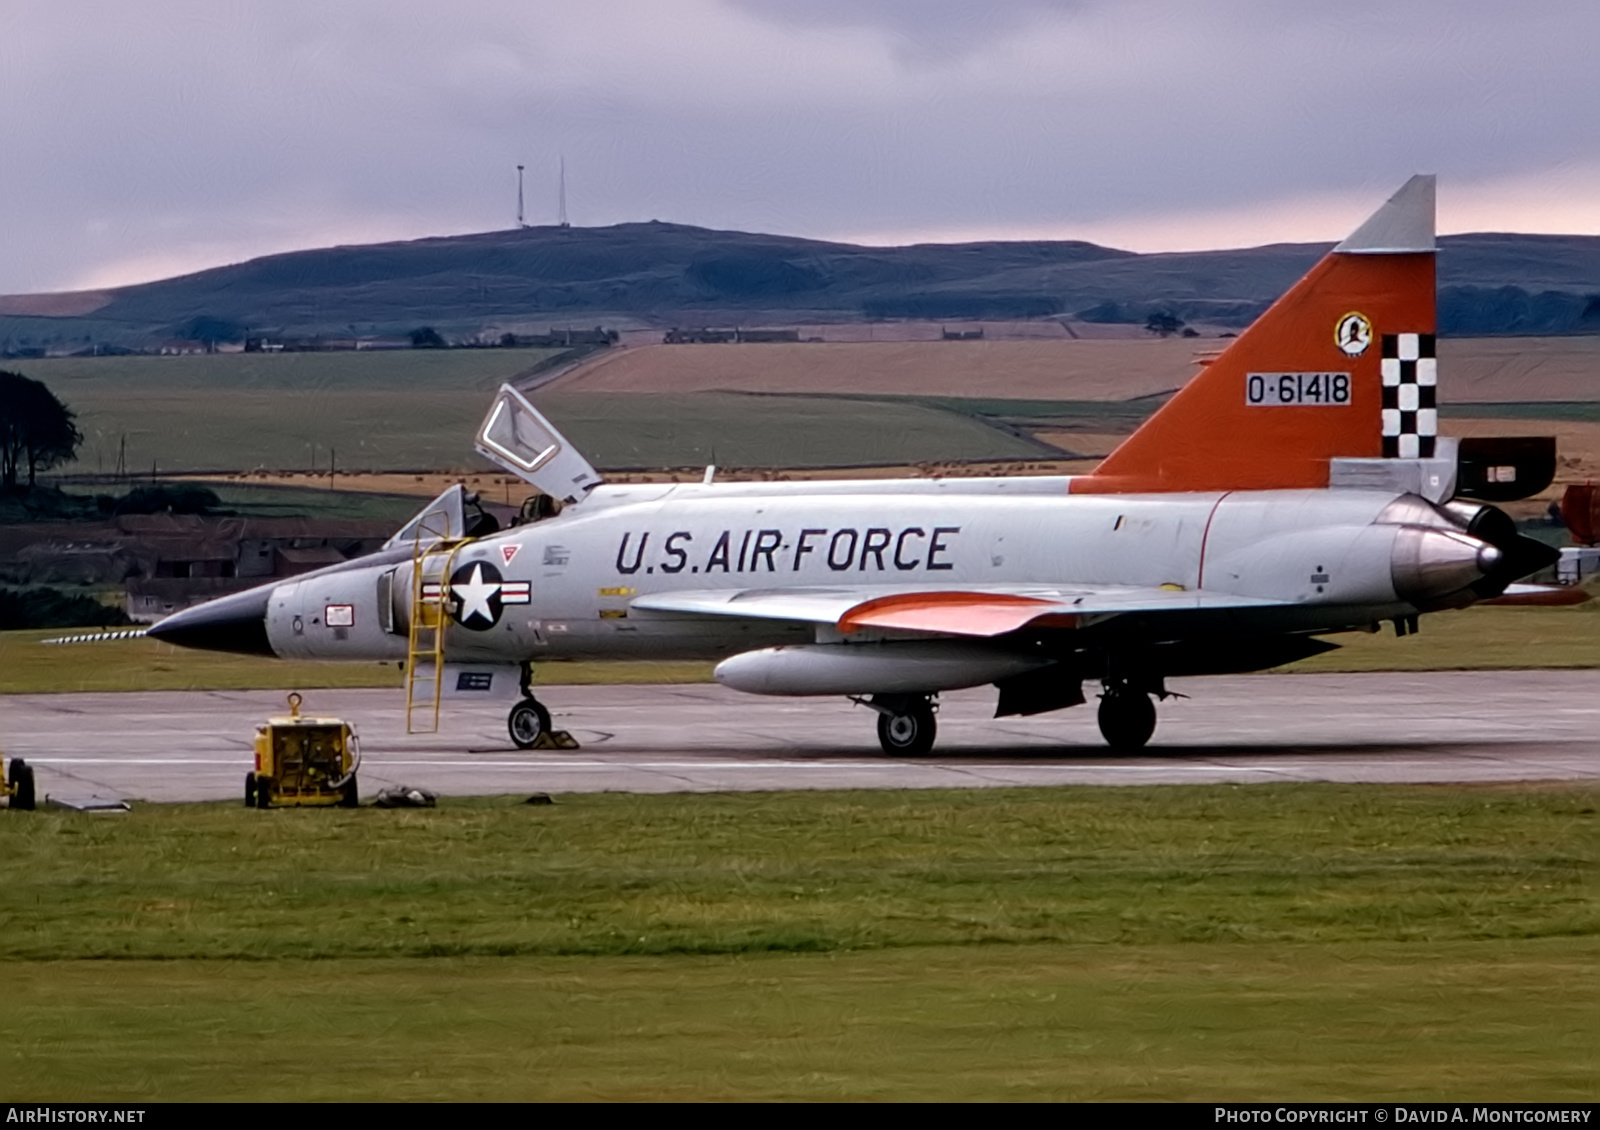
527, 723
529, 727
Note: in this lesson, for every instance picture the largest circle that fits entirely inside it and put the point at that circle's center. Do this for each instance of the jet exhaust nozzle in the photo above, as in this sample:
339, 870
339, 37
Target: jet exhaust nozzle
1429, 565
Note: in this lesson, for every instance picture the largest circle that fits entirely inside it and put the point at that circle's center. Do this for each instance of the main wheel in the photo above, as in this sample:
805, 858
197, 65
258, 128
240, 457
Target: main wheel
249, 790
528, 721
1127, 719
908, 732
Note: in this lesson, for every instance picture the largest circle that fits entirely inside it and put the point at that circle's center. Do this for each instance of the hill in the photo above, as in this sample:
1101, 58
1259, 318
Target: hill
658, 274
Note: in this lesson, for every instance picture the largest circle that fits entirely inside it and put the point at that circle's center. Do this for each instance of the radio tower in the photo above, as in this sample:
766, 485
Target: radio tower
520, 224
561, 198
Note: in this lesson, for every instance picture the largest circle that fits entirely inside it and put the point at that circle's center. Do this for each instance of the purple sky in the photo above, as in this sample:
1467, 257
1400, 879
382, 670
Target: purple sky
145, 139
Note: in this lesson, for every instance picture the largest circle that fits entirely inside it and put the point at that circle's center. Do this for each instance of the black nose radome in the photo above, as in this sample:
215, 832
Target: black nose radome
235, 623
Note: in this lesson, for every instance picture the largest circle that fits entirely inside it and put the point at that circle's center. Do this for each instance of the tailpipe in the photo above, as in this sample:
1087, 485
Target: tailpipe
1519, 555
1430, 567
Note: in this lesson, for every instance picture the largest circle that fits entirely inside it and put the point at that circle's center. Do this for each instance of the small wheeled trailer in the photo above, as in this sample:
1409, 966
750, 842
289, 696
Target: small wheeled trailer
304, 761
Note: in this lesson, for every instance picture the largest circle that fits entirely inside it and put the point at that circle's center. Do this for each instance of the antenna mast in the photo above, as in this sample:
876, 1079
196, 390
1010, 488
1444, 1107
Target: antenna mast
561, 199
520, 224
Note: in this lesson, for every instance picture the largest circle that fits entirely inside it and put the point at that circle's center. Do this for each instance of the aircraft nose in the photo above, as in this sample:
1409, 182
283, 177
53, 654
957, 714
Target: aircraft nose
237, 623
1428, 563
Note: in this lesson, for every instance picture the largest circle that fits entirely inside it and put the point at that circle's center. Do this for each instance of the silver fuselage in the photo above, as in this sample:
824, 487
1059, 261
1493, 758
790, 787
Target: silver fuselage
1329, 560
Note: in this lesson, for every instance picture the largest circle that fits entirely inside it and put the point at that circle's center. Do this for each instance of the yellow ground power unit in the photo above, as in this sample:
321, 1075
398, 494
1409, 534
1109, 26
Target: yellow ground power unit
303, 761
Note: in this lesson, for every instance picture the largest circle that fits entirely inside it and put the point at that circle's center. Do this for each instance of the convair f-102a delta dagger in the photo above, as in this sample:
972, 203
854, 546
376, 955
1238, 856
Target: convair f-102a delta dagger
1295, 489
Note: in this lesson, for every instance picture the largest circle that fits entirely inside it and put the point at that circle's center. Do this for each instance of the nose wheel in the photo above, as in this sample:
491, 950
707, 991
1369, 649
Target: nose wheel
527, 723
1127, 717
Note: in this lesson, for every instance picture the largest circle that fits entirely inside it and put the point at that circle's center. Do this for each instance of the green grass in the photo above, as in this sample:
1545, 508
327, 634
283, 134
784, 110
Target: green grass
29, 667
400, 410
616, 875
1450, 1023
1482, 638
649, 430
77, 503
1265, 942
418, 410
377, 371
1527, 410
270, 500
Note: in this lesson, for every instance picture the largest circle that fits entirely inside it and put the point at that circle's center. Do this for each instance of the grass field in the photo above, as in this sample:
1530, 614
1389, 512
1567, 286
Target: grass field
28, 667
376, 411
741, 430
1473, 639
418, 409
758, 406
1041, 370
1267, 942
267, 500
1472, 370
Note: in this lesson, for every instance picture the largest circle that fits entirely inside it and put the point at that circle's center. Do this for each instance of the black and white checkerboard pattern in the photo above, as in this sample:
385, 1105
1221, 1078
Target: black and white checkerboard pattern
1410, 380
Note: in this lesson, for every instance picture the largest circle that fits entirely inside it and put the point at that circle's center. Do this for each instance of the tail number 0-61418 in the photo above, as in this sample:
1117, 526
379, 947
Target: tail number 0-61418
1265, 390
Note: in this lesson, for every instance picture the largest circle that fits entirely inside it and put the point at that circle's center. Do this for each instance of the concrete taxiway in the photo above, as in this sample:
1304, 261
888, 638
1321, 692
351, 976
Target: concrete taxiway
1427, 727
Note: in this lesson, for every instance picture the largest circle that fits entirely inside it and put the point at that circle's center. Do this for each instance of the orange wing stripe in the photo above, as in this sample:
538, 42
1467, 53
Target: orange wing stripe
959, 613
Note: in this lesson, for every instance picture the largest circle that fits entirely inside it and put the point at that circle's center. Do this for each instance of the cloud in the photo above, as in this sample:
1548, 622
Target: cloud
148, 134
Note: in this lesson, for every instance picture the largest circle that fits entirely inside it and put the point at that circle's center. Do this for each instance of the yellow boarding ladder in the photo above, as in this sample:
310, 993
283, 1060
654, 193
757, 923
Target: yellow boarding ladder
432, 563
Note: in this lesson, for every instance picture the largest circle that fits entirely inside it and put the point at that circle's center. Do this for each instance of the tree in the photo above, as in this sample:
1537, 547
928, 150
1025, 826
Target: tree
36, 430
426, 338
1163, 323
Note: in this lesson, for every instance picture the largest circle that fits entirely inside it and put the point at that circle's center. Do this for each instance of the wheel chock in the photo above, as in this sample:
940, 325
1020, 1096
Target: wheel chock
555, 739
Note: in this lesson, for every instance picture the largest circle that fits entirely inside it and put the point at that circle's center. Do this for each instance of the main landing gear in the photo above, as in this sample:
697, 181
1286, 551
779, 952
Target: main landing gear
1127, 717
906, 726
905, 723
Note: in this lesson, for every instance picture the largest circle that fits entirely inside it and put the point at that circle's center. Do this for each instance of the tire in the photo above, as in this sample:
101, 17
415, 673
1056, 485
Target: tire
23, 796
1127, 719
909, 733
527, 723
249, 790
349, 794
263, 792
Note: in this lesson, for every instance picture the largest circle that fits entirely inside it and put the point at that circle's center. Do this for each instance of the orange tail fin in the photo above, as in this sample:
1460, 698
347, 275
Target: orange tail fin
1341, 365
